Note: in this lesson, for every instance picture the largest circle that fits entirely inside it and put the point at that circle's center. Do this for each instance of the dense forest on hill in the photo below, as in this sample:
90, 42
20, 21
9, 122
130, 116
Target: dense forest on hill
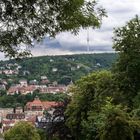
62, 69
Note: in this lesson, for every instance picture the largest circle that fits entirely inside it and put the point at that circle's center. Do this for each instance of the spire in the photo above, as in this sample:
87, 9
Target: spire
36, 98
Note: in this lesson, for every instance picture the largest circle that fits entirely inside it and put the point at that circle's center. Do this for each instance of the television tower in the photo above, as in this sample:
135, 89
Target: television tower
88, 40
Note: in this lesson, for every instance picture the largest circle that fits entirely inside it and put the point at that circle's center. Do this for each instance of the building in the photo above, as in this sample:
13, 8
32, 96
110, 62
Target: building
7, 124
23, 82
33, 82
27, 89
44, 77
13, 90
41, 122
10, 72
54, 70
21, 89
37, 105
15, 116
45, 81
2, 87
4, 112
59, 89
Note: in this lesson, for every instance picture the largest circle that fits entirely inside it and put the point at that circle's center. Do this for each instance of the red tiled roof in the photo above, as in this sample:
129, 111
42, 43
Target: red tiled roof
53, 89
48, 104
7, 122
31, 119
44, 104
14, 89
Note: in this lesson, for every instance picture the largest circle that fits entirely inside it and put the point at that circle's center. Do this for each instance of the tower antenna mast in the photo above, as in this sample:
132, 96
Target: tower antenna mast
88, 49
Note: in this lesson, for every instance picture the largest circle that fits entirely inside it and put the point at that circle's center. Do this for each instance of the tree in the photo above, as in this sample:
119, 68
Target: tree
89, 94
22, 131
57, 127
127, 44
42, 134
2, 92
115, 123
23, 21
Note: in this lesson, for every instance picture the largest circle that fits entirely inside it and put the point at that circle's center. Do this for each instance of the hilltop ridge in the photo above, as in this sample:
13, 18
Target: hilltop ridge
62, 69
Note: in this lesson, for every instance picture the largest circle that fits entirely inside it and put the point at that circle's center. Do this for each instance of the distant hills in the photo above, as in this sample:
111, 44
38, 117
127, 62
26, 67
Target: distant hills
62, 69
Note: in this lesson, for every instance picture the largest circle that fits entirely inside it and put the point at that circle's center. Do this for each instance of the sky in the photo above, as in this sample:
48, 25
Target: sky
100, 40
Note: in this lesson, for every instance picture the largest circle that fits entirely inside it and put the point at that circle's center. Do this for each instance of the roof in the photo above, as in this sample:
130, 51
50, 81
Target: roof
20, 89
22, 80
36, 102
43, 104
49, 104
13, 89
31, 119
8, 122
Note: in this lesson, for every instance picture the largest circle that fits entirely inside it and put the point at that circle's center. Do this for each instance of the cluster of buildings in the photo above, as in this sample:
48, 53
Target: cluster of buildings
33, 112
10, 69
24, 88
9, 72
3, 84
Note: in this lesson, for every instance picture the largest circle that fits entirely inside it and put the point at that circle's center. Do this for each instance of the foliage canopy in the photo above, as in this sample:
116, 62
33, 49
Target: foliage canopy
22, 131
90, 114
127, 44
22, 21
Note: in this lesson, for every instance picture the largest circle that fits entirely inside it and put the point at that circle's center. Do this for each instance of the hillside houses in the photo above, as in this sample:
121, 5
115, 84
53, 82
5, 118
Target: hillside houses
10, 69
13, 84
53, 89
31, 88
14, 81
18, 89
24, 88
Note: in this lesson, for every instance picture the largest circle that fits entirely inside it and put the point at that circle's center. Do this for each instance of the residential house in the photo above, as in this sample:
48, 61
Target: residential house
4, 112
53, 89
10, 72
23, 82
13, 90
54, 70
45, 121
41, 122
33, 82
45, 81
2, 87
3, 81
7, 124
44, 77
21, 89
15, 116
27, 89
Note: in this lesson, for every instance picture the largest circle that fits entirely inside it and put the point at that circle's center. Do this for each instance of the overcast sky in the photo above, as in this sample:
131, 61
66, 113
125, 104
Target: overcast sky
119, 12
